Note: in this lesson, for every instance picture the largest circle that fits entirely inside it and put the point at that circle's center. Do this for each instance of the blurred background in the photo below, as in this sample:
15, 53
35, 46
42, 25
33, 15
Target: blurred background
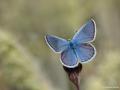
27, 63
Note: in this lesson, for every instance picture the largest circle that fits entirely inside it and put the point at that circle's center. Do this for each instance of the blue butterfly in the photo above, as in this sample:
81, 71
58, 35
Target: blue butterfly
78, 49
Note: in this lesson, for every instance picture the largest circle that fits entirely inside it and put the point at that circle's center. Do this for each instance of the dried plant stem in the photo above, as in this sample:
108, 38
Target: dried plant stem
73, 74
78, 88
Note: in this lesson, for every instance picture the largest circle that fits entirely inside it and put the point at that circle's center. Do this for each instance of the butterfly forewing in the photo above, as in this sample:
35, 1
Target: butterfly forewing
86, 33
56, 44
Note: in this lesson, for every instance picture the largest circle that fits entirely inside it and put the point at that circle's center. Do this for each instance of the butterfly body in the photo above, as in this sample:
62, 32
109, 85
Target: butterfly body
72, 46
78, 49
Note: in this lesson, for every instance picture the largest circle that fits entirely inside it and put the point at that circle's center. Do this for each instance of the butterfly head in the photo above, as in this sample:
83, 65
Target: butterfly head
69, 40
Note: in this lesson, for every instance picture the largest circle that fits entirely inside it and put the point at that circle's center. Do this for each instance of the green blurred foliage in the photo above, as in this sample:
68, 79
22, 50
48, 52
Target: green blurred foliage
26, 62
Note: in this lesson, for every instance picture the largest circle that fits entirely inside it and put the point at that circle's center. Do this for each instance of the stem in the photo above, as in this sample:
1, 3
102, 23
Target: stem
73, 74
78, 87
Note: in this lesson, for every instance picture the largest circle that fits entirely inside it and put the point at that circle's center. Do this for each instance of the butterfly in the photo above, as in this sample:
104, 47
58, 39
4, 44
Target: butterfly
77, 50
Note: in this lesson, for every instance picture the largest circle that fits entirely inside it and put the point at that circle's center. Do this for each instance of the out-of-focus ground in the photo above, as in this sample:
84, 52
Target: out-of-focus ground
26, 62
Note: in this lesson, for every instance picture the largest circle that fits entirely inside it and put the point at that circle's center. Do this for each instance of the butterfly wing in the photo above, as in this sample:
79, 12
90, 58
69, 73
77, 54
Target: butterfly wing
86, 33
85, 52
69, 58
55, 43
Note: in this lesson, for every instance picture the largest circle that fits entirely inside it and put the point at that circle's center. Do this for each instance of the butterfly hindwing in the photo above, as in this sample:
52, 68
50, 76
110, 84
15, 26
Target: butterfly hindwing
86, 33
56, 44
69, 58
85, 52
